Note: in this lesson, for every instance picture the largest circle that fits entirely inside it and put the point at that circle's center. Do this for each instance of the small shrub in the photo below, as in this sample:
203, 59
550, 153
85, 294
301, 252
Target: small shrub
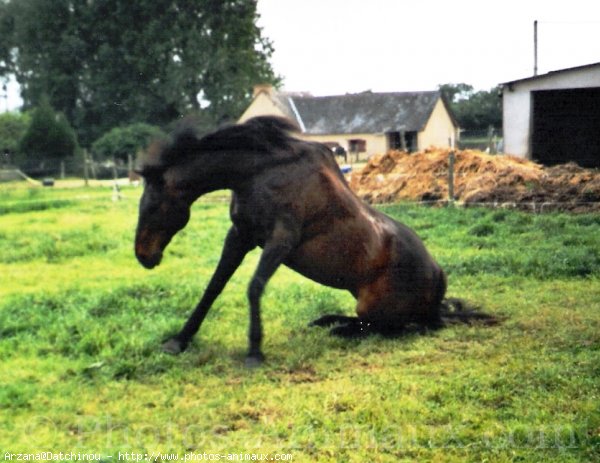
123, 141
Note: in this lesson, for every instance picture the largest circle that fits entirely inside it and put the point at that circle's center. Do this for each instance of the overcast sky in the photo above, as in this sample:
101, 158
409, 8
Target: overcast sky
338, 46
329, 47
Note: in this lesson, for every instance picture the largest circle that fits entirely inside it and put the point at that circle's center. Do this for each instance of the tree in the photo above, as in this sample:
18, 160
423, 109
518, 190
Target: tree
456, 92
121, 142
48, 137
6, 44
12, 128
114, 62
474, 110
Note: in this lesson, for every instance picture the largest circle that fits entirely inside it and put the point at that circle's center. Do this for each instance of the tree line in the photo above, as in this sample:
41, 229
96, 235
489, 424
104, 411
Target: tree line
112, 63
474, 110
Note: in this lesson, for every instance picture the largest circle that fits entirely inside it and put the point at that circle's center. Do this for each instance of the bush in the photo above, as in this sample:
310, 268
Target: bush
12, 128
123, 141
49, 136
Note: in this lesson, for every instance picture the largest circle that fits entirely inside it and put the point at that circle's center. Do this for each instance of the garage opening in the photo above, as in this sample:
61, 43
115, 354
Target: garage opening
566, 127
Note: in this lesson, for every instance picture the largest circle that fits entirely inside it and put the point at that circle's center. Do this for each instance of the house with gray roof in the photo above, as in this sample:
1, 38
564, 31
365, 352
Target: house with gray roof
363, 123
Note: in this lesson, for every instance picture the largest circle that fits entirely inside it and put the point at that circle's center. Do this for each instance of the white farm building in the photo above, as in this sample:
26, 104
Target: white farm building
555, 117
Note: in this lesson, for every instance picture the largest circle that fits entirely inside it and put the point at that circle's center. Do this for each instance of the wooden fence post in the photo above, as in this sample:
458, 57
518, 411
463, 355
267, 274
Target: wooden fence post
491, 140
86, 174
451, 159
114, 169
116, 189
92, 167
129, 166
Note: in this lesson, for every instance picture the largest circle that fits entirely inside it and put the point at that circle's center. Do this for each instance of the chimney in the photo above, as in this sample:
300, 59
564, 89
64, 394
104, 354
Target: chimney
263, 88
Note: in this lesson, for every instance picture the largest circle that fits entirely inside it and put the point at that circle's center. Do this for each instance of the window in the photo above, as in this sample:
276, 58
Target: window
357, 145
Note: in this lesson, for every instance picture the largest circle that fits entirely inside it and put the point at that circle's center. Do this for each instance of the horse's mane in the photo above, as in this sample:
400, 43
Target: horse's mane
269, 135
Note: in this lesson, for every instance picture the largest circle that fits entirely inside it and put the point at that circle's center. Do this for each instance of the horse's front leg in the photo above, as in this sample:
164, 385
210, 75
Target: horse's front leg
235, 249
274, 253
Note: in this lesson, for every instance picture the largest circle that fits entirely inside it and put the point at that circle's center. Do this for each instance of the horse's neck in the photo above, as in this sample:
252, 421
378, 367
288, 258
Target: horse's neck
220, 170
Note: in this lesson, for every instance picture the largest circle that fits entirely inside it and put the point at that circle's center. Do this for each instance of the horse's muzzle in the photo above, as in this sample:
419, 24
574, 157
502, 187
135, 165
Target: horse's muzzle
149, 261
148, 252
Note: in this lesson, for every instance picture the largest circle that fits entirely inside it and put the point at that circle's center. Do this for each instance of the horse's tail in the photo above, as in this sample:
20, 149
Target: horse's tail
454, 311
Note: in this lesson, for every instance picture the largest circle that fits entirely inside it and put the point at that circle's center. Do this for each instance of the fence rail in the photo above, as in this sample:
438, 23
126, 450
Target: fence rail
82, 167
536, 207
113, 170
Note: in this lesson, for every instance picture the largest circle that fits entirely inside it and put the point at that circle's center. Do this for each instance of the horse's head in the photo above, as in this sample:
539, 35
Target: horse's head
178, 171
164, 210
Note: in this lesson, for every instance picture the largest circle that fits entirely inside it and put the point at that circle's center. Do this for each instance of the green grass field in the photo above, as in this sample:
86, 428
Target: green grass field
81, 325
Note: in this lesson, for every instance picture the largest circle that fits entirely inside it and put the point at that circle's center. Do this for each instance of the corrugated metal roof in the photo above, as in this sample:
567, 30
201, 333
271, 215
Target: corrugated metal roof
551, 73
365, 112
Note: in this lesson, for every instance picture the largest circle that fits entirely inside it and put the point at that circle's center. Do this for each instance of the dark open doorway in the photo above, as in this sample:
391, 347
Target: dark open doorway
396, 141
566, 126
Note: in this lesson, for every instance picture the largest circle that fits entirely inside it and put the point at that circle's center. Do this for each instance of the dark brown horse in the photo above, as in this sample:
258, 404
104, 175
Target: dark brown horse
290, 198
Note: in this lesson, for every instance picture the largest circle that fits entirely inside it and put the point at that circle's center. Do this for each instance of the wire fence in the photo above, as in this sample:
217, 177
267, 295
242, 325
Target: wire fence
536, 207
88, 169
116, 194
75, 167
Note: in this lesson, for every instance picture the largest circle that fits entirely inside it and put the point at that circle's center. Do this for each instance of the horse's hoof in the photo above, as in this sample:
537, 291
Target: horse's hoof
254, 361
174, 346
